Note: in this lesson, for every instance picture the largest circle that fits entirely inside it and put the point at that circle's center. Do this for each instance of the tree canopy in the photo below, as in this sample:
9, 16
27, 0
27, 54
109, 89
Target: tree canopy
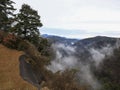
6, 14
28, 22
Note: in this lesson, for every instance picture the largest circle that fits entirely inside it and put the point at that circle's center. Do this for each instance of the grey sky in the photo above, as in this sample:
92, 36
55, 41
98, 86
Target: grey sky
92, 16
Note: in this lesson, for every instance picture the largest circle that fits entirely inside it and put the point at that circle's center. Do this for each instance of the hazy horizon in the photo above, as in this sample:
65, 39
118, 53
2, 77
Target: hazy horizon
78, 18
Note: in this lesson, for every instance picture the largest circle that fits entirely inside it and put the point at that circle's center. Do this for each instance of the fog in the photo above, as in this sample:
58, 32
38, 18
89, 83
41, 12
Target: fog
65, 58
98, 55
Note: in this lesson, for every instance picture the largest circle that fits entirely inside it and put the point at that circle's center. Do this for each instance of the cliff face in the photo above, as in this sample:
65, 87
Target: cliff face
9, 71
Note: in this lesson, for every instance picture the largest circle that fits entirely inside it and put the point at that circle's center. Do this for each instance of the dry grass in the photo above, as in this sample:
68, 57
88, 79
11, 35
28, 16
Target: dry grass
9, 71
11, 80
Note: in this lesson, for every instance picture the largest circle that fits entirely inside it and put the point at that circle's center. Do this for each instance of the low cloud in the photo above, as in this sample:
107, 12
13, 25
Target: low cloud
65, 58
98, 55
78, 33
87, 77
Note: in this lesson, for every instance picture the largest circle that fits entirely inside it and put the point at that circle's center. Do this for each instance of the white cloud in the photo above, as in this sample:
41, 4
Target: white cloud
90, 15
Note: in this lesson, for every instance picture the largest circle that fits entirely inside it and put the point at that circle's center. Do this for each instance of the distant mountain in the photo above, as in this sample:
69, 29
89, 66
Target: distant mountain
83, 46
96, 42
98, 58
58, 39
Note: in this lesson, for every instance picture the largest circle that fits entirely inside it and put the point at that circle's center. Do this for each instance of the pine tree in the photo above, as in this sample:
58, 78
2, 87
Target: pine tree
6, 14
28, 23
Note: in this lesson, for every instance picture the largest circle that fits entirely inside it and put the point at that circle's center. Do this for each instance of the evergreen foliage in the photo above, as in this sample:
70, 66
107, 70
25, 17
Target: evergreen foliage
27, 25
6, 14
108, 73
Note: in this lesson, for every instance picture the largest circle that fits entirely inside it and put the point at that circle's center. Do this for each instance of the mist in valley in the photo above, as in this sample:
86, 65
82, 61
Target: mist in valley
67, 57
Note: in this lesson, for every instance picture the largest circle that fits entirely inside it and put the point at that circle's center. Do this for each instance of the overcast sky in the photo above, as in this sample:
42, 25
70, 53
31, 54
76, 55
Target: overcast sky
77, 18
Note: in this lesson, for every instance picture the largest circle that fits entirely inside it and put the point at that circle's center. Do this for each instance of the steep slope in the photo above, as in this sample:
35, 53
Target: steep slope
87, 55
109, 74
9, 71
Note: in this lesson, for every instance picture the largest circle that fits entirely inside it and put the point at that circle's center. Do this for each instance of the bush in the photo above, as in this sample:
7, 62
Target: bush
66, 81
44, 47
11, 41
2, 34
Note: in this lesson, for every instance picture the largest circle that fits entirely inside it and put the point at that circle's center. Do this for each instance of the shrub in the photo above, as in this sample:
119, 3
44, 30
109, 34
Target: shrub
2, 34
11, 41
44, 47
65, 81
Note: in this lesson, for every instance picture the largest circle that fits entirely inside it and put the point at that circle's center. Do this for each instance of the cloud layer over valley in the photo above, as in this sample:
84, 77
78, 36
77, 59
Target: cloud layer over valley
67, 57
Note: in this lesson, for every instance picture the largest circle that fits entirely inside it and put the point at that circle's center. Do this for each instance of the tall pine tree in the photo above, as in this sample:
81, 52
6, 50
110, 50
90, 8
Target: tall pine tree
6, 14
28, 23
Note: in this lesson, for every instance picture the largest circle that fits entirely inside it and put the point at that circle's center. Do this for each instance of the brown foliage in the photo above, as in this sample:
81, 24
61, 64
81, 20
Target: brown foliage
65, 81
9, 40
58, 81
2, 34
